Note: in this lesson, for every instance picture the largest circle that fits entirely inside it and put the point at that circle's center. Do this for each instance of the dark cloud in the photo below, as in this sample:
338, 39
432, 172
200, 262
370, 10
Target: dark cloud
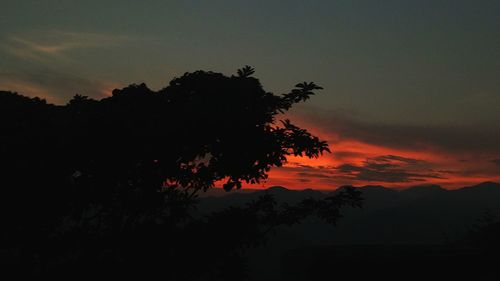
451, 139
383, 168
496, 161
391, 169
303, 180
314, 175
384, 173
395, 158
347, 154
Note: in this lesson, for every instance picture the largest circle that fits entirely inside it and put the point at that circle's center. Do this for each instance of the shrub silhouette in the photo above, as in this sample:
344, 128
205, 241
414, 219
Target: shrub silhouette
108, 185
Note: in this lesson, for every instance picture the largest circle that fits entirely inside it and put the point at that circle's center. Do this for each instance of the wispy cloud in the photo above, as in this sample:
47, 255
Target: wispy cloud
54, 86
43, 63
28, 89
45, 46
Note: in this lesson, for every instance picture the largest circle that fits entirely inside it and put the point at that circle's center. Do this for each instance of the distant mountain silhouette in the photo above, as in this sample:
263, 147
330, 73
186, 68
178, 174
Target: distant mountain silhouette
422, 189
217, 200
415, 225
277, 188
491, 186
424, 214
283, 194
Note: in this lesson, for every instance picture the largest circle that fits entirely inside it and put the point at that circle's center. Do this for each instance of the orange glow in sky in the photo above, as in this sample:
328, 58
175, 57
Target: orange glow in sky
356, 162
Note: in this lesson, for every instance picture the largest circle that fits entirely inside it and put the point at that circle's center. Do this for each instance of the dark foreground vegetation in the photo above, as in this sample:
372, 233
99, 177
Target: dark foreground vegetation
107, 187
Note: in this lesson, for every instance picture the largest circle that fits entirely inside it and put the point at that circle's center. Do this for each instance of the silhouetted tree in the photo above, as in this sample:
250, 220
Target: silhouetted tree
108, 185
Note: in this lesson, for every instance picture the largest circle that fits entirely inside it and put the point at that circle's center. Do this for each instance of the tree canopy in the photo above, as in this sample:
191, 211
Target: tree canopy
128, 165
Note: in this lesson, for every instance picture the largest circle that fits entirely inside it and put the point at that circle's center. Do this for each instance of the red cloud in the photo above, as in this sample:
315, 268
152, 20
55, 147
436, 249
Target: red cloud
358, 162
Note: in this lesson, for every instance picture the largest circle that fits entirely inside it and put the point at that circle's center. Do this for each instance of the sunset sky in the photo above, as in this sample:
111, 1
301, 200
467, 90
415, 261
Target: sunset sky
411, 88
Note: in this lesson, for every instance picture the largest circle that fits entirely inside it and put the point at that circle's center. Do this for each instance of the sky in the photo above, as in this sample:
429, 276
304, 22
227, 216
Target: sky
411, 88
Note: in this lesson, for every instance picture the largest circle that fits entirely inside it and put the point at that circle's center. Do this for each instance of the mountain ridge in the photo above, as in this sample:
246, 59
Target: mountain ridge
366, 188
419, 215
